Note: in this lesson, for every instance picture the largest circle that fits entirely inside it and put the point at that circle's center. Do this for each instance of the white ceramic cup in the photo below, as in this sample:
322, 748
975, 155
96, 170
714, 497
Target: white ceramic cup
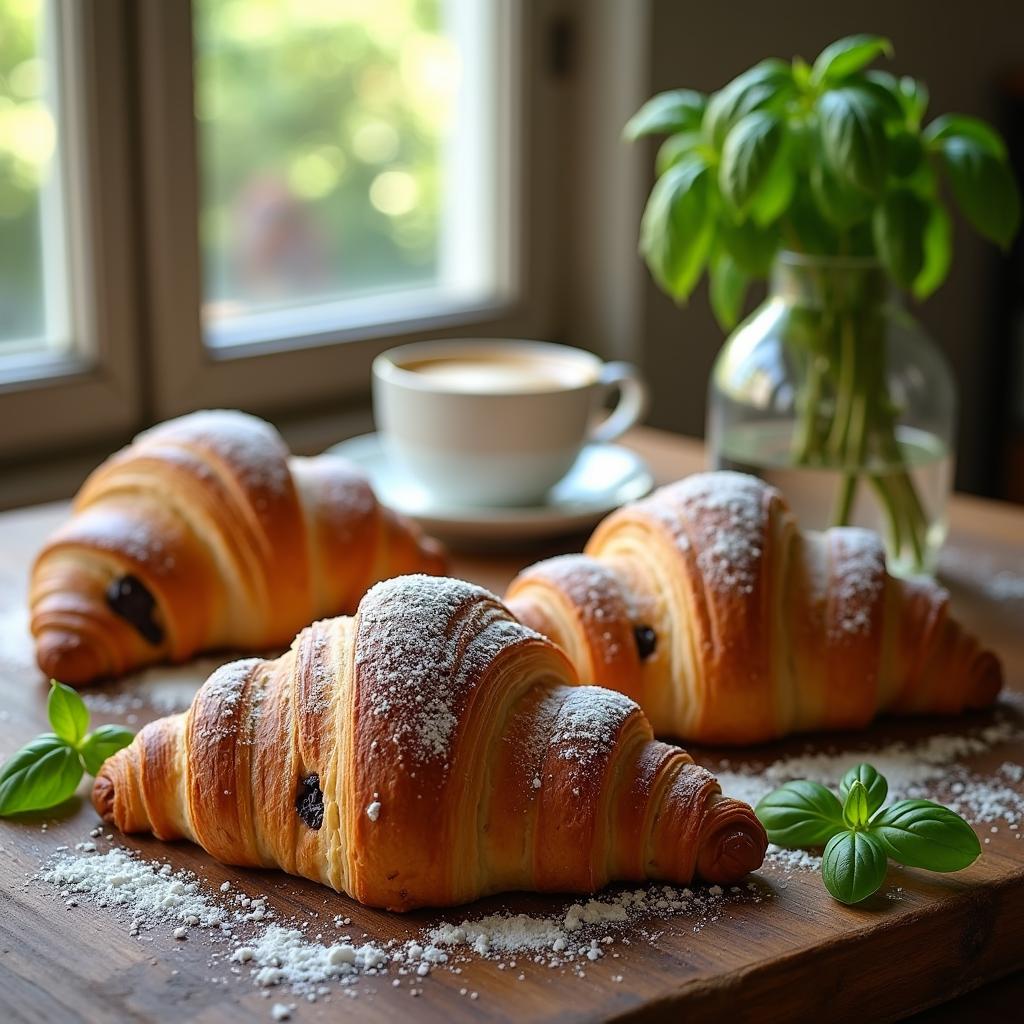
506, 432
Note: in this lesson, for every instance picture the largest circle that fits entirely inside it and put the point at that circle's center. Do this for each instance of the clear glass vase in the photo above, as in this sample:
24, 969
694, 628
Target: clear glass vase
831, 391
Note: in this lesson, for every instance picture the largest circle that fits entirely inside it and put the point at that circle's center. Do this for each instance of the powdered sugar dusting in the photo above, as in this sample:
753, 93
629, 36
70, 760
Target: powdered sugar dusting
223, 691
251, 446
319, 668
279, 955
726, 514
162, 688
423, 643
589, 722
152, 892
858, 579
595, 594
137, 539
17, 651
934, 768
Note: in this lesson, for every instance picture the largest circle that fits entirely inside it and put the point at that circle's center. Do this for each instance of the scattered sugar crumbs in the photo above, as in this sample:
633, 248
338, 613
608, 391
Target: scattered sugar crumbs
286, 956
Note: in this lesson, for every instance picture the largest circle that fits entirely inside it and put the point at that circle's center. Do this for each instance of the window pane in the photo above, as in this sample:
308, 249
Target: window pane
346, 151
32, 280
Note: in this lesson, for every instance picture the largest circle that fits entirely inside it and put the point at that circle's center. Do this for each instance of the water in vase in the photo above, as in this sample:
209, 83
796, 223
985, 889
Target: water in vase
764, 449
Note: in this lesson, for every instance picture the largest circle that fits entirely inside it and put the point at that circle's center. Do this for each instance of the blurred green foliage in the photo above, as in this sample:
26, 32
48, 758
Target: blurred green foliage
322, 126
321, 131
26, 147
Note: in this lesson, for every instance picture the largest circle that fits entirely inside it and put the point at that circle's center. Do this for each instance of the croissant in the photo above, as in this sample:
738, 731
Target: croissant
205, 533
707, 605
426, 752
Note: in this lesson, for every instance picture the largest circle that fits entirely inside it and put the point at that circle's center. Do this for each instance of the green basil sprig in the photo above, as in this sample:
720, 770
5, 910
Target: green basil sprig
860, 836
46, 771
829, 159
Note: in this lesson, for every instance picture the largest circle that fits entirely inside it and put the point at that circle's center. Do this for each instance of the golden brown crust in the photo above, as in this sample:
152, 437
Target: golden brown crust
761, 629
238, 543
455, 755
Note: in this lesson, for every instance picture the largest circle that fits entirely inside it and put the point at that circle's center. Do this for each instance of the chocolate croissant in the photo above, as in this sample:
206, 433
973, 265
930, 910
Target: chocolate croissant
707, 605
204, 533
427, 752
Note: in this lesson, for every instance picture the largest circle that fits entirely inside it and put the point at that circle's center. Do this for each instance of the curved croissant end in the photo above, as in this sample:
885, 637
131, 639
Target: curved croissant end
728, 624
205, 533
425, 753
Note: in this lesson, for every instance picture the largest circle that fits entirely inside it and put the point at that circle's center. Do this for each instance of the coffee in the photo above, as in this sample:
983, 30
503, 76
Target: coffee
506, 374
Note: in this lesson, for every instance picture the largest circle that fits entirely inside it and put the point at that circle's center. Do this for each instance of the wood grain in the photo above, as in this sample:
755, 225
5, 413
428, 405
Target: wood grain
795, 955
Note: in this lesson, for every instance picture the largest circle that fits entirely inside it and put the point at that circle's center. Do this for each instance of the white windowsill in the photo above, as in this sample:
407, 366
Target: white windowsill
331, 323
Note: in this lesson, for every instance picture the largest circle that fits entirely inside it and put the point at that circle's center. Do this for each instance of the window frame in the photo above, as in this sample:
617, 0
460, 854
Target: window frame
330, 365
93, 391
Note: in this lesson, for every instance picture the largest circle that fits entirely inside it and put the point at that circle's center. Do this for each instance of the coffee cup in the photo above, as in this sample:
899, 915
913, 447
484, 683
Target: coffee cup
496, 422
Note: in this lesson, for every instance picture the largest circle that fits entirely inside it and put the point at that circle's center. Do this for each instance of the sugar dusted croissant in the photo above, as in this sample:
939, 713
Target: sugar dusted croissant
205, 533
427, 752
708, 606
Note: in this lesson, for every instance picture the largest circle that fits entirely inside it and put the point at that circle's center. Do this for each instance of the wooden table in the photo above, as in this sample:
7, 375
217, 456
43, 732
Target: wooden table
796, 954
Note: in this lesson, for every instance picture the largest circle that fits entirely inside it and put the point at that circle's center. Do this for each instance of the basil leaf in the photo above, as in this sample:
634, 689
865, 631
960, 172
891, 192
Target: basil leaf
748, 154
801, 73
679, 110
938, 252
887, 99
675, 232
914, 95
841, 204
853, 866
728, 288
874, 783
905, 153
898, 226
922, 834
853, 138
960, 125
67, 712
103, 743
800, 814
42, 774
768, 83
776, 191
845, 56
984, 188
814, 233
674, 148
855, 807
752, 247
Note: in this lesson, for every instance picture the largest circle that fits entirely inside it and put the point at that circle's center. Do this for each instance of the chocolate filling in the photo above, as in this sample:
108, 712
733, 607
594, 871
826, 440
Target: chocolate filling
309, 802
646, 641
129, 598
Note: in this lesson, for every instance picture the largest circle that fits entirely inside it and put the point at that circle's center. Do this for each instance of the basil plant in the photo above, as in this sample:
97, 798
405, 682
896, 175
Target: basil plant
830, 159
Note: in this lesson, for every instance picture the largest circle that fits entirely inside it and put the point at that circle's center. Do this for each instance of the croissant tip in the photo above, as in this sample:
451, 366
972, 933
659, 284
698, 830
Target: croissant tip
62, 655
988, 680
734, 854
103, 797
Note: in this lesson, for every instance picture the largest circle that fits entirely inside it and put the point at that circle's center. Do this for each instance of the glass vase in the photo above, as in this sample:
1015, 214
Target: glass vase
831, 391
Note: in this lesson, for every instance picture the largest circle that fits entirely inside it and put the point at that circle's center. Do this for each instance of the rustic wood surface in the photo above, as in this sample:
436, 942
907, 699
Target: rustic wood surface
794, 955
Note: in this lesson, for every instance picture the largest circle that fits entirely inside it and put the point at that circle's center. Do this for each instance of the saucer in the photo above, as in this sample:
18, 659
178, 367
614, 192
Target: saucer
604, 477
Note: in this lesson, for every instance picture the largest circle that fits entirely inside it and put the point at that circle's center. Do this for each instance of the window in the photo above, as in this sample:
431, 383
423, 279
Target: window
68, 360
326, 178
346, 158
240, 202
33, 231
